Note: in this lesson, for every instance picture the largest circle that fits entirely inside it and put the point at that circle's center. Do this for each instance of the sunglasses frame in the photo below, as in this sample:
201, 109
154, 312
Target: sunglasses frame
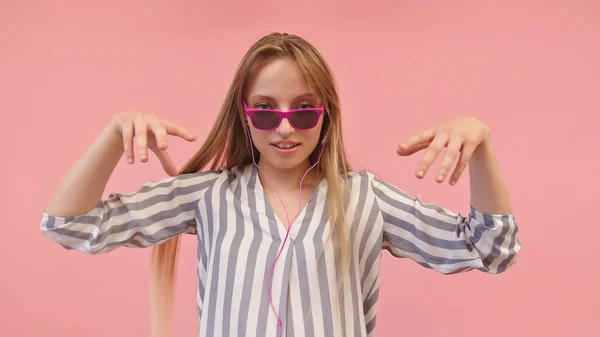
284, 114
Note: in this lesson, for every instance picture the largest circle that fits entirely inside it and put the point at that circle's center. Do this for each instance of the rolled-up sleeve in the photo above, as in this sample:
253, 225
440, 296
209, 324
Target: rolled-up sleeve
155, 213
443, 240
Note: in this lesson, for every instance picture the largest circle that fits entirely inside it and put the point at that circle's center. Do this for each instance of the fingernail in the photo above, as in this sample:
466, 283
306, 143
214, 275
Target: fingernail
130, 160
420, 174
440, 177
452, 182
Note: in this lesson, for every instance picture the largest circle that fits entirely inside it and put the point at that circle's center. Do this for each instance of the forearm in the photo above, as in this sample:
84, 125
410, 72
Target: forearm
84, 184
488, 191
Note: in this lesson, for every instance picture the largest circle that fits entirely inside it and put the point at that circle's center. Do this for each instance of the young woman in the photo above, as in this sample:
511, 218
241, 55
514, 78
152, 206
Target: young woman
289, 237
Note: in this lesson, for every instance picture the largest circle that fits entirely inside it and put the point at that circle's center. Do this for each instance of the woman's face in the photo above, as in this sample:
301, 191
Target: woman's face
280, 85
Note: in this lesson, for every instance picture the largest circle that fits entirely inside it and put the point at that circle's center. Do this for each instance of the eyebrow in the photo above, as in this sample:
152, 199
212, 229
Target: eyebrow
297, 98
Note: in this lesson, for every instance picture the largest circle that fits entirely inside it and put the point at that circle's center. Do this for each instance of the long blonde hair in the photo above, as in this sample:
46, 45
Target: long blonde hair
229, 130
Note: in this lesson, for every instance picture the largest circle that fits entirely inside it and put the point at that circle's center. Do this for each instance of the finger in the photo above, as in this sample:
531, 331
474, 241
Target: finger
127, 132
159, 131
413, 149
177, 130
431, 153
454, 145
166, 161
463, 161
141, 137
412, 142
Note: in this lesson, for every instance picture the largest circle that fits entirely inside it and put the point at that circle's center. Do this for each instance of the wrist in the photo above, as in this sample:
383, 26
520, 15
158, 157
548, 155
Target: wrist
112, 135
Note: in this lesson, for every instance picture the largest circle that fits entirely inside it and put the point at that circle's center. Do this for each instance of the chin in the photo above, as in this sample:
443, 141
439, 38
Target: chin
284, 162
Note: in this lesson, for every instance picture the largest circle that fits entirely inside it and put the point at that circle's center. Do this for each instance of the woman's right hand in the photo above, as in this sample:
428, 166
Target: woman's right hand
150, 132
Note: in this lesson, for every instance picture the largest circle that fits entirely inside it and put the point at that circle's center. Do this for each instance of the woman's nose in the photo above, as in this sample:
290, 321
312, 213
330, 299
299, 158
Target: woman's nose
285, 128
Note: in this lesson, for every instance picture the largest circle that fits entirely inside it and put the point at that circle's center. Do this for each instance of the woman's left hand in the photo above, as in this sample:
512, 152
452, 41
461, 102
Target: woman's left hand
461, 136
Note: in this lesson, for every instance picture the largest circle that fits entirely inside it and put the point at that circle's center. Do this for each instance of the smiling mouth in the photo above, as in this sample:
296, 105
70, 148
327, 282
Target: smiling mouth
285, 146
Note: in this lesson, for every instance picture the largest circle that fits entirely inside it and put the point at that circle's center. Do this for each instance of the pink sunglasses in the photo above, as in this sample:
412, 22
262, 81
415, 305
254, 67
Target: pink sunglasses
269, 119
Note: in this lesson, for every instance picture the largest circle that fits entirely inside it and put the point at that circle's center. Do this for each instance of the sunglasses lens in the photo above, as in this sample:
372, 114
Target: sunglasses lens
305, 119
265, 119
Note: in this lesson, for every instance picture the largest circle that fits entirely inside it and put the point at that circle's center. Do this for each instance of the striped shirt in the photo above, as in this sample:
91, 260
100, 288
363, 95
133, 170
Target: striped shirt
239, 237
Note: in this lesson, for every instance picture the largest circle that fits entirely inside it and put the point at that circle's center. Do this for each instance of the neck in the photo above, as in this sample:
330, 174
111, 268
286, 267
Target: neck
287, 179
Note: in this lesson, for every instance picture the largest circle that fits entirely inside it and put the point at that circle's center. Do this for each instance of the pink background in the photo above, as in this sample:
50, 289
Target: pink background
528, 69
